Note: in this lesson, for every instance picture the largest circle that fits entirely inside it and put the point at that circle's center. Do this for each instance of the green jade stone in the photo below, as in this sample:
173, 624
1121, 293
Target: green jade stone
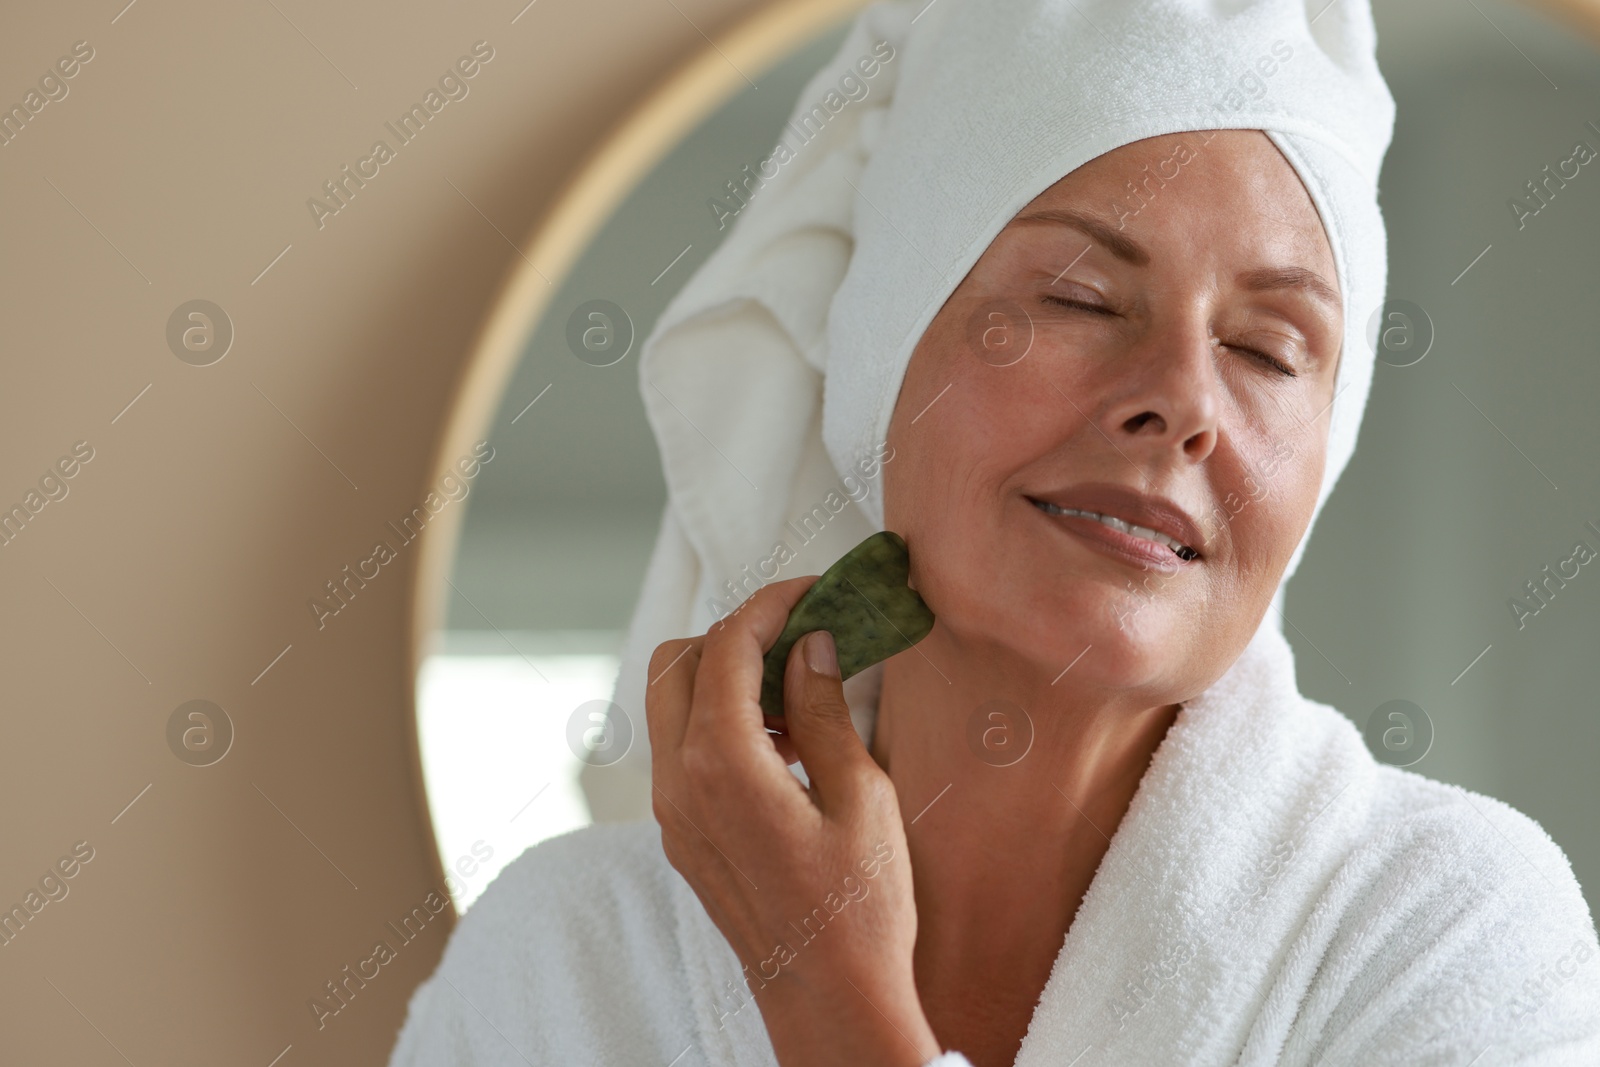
864, 602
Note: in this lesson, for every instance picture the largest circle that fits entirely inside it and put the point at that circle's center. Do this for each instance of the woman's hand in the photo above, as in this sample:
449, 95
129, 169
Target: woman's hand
811, 887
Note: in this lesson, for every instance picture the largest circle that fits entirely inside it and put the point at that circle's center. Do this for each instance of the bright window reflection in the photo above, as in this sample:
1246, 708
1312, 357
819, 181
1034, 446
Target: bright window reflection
493, 736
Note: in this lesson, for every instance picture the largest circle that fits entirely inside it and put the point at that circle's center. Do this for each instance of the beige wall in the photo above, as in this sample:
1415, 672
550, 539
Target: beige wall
180, 562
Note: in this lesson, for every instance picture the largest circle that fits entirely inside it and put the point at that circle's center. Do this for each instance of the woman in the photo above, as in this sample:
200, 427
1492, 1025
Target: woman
1088, 819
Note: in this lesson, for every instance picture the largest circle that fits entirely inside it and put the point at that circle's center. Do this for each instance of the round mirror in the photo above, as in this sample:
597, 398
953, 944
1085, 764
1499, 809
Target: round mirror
1427, 584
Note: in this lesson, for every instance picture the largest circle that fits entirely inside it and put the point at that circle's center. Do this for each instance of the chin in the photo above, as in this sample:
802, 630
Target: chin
1140, 647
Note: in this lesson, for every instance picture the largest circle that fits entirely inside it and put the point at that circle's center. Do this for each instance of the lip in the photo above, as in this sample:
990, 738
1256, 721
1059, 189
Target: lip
1131, 506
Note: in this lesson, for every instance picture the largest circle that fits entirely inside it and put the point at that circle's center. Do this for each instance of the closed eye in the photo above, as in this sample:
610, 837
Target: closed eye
1271, 361
1064, 302
1266, 359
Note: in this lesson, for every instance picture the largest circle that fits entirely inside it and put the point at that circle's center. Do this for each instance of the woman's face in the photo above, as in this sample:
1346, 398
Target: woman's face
1165, 360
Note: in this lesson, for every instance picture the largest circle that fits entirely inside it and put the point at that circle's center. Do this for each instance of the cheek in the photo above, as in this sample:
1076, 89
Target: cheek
940, 484
1303, 481
962, 429
1269, 507
955, 462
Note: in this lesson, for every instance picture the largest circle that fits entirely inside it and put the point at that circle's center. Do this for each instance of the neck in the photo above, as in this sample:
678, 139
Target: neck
1005, 832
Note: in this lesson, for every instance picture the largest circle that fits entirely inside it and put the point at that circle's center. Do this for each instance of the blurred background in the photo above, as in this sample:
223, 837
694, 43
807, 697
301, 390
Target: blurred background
273, 741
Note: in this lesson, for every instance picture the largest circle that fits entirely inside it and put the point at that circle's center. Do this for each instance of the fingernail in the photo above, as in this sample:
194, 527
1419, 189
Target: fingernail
820, 656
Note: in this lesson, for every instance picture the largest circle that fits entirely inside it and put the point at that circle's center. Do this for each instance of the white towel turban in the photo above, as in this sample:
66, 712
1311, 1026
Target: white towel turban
933, 125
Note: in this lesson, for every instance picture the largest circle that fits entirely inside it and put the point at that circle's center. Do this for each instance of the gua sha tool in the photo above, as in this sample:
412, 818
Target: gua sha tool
864, 602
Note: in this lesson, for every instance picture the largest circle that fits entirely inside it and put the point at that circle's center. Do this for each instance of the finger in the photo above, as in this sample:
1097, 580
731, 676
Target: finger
727, 684
834, 757
668, 691
785, 748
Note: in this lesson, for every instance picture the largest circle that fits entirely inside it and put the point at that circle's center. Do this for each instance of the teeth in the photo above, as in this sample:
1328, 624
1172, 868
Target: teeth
1183, 550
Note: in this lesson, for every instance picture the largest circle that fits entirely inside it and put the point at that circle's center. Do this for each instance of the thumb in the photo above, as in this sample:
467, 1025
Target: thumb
818, 719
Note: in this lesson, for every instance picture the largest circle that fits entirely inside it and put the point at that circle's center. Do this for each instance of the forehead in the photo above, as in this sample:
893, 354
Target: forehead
1209, 188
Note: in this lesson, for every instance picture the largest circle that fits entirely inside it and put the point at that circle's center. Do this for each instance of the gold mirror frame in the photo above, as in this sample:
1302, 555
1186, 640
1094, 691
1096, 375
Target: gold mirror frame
593, 193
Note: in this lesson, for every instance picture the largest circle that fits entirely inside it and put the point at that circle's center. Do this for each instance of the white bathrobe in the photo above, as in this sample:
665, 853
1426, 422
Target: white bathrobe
1273, 896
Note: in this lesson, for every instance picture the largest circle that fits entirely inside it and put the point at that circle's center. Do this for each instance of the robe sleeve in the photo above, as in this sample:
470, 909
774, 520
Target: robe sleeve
435, 1032
570, 956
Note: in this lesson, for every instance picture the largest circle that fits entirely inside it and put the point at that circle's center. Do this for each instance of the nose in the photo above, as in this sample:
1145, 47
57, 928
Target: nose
1168, 401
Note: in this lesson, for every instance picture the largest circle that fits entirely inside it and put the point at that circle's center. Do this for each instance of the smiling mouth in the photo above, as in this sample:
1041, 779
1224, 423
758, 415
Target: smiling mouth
1182, 551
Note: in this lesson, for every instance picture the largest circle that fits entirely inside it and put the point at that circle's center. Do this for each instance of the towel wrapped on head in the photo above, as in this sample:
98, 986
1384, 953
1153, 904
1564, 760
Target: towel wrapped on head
770, 378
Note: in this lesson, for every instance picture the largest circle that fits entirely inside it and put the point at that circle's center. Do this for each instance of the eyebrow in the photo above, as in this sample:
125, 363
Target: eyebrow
1130, 251
1117, 243
1291, 278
